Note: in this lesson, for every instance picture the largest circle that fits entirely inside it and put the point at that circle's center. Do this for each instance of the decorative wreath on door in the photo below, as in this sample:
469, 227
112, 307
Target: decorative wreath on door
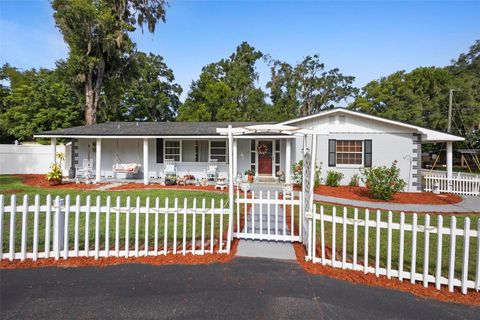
262, 149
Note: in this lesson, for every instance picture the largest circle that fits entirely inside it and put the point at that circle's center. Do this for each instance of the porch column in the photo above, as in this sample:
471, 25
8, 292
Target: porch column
98, 159
288, 164
235, 159
145, 161
449, 162
53, 143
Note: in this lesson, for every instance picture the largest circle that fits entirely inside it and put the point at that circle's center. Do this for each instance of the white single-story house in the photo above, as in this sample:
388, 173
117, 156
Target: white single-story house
346, 141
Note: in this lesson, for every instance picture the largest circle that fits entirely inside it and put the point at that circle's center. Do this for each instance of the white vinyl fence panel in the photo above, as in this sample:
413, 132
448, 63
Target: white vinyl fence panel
462, 185
113, 227
29, 158
403, 246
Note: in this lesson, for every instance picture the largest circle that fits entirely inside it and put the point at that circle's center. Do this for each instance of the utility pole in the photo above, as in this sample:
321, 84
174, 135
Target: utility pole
450, 102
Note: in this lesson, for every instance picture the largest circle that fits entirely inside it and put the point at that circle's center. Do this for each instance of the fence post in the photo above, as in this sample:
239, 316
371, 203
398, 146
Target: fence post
59, 227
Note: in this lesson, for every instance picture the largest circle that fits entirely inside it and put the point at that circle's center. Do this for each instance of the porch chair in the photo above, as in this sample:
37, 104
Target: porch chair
211, 170
86, 170
170, 168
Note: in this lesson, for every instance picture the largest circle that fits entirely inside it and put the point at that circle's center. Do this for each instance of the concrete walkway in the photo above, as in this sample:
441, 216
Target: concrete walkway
469, 204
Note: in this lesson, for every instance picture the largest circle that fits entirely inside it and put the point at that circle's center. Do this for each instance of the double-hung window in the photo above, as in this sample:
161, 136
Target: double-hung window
172, 150
218, 151
349, 152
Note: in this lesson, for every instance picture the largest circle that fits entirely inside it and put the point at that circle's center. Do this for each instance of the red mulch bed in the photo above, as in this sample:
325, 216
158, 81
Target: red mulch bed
38, 180
103, 262
472, 298
361, 193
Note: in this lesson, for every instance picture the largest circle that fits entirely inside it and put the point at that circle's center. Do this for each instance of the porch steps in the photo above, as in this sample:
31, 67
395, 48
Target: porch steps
265, 249
268, 179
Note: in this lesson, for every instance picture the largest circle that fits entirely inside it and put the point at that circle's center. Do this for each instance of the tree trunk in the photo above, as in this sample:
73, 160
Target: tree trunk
93, 86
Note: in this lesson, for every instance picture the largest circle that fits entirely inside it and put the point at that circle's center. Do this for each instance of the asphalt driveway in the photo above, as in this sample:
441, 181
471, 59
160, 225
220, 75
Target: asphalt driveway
246, 288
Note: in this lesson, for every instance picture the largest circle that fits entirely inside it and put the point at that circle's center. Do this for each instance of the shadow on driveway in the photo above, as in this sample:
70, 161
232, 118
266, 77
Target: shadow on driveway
246, 288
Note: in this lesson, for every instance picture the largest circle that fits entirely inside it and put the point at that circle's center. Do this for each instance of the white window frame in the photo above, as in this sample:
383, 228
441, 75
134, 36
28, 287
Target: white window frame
218, 148
350, 165
165, 147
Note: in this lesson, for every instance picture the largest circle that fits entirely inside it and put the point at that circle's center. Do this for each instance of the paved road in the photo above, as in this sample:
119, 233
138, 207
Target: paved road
469, 204
243, 289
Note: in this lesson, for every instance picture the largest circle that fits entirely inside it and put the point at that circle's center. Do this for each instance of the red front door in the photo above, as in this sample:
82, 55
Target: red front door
264, 150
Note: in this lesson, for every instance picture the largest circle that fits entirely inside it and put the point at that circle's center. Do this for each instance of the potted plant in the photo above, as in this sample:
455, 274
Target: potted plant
54, 176
250, 175
170, 180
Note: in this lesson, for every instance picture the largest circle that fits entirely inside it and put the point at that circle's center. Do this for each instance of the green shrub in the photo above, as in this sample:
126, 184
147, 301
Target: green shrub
383, 182
334, 178
354, 180
297, 170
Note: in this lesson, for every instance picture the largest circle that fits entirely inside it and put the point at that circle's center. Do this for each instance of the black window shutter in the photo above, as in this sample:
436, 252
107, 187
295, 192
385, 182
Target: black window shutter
159, 150
367, 153
332, 152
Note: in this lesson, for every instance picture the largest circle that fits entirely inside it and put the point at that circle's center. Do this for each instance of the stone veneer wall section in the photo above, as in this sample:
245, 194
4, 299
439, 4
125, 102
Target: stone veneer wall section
417, 162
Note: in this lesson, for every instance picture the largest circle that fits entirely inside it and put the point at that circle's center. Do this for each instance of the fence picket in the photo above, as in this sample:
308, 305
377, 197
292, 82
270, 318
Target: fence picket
414, 249
76, 245
137, 226
24, 227
426, 250
147, 226
13, 205
334, 233
377, 244
157, 208
389, 245
466, 247
276, 214
284, 209
268, 213
47, 226
238, 213
252, 215
117, 227
36, 217
365, 246
2, 211
203, 223
314, 233
344, 238
261, 212
451, 266
322, 234
56, 227
438, 267
355, 238
212, 222
401, 246
165, 228
292, 215
107, 227
87, 228
97, 227
184, 239
477, 274
127, 228
66, 227
175, 220
194, 226
221, 226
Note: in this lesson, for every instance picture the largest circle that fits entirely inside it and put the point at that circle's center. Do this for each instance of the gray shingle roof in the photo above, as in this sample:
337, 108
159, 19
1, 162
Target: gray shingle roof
146, 129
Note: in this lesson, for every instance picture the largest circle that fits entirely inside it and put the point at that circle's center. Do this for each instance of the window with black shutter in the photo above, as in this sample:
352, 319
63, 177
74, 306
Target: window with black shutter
159, 150
332, 148
368, 153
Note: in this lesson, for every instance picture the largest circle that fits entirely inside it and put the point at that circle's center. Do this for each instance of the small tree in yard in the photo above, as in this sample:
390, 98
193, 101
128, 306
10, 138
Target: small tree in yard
383, 182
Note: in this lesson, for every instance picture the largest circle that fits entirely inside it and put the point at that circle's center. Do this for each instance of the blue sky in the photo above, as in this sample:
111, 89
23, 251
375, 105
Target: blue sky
363, 39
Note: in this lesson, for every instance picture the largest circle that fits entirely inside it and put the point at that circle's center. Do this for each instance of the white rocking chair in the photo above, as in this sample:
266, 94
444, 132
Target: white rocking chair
211, 170
86, 171
170, 168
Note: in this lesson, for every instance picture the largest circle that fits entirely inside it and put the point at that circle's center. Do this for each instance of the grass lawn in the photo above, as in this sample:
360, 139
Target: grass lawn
13, 184
474, 221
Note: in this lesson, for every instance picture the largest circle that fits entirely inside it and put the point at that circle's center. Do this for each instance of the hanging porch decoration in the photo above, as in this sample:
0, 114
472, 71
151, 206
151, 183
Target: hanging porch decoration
262, 149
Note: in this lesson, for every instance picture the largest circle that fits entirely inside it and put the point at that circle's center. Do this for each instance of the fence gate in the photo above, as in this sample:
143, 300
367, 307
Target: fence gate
268, 215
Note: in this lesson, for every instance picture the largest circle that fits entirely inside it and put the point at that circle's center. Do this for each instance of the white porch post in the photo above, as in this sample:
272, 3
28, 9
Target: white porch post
231, 163
145, 161
98, 160
449, 163
234, 159
53, 143
288, 164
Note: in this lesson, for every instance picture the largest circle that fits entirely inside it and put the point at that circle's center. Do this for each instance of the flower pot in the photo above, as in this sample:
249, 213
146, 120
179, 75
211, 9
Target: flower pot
250, 178
55, 182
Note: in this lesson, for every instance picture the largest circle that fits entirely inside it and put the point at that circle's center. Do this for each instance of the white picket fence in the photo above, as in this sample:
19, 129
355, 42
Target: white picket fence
271, 216
469, 186
66, 229
462, 248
